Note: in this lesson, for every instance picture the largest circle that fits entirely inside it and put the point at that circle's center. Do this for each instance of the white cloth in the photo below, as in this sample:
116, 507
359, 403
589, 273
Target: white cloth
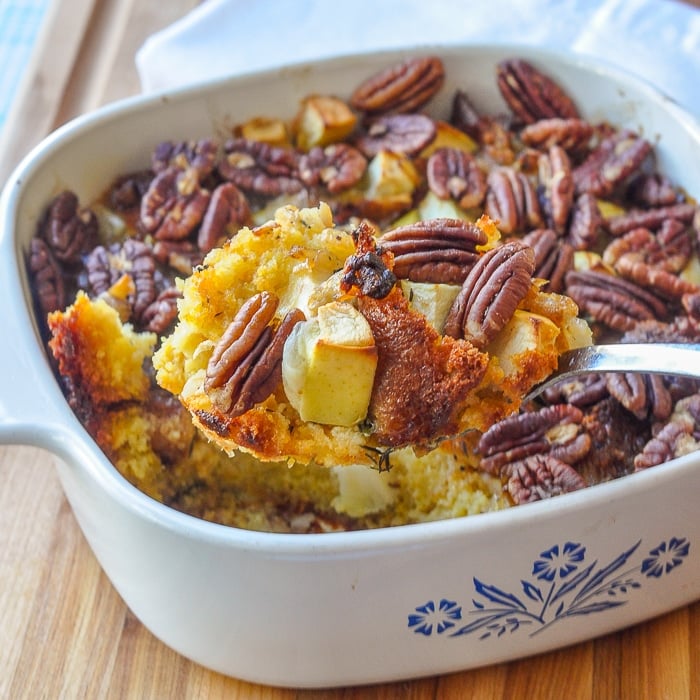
659, 40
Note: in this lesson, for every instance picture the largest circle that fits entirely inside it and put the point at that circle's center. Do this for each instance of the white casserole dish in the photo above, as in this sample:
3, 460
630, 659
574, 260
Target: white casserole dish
361, 607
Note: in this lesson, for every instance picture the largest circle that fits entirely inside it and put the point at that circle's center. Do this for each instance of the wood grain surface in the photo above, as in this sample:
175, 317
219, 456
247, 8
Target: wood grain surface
64, 631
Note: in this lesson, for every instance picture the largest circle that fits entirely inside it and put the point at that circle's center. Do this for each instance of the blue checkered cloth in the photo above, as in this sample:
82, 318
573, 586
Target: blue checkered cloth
20, 23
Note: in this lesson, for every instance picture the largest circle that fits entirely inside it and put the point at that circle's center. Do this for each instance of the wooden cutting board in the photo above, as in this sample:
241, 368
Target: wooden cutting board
64, 631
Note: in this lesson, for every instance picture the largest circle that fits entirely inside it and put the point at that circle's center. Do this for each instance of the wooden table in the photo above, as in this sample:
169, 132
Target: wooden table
64, 631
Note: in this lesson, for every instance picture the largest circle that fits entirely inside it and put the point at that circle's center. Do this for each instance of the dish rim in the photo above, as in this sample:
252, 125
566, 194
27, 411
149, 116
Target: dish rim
74, 444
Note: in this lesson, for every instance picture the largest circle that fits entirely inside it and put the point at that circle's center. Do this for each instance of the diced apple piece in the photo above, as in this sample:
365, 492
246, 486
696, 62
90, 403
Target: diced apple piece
272, 131
609, 209
575, 333
112, 227
361, 490
328, 366
323, 120
308, 283
588, 261
527, 335
391, 175
432, 207
387, 187
431, 300
448, 136
327, 291
410, 217
301, 286
691, 272
562, 311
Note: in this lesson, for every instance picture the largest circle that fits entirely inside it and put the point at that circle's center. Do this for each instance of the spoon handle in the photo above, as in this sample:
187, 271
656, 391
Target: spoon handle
682, 359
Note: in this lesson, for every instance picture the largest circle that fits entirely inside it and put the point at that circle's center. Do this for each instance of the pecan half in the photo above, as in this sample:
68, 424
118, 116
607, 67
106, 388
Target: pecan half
676, 246
553, 428
337, 167
401, 133
542, 476
160, 314
141, 267
556, 187
640, 241
240, 337
199, 156
663, 283
47, 277
491, 292
663, 446
511, 201
613, 301
611, 164
172, 430
174, 205
260, 168
244, 367
69, 230
436, 250
455, 174
553, 257
181, 256
105, 266
573, 135
266, 374
652, 190
642, 395
679, 436
582, 391
227, 212
670, 249
488, 131
585, 222
531, 94
405, 87
126, 192
465, 116
650, 218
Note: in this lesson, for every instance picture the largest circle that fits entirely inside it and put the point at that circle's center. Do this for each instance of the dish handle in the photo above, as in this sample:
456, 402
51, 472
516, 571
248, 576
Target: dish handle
30, 412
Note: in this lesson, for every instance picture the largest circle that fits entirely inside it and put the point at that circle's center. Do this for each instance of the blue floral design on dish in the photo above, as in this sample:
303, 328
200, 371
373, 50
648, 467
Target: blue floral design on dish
442, 618
561, 586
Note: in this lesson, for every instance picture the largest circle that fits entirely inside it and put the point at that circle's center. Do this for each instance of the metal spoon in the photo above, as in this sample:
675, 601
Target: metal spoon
681, 359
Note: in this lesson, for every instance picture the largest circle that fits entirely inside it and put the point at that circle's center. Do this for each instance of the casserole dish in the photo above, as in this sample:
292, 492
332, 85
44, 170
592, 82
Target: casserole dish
355, 607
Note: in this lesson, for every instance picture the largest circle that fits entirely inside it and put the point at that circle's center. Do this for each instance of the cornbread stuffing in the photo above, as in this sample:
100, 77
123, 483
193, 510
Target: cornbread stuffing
422, 386
329, 322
